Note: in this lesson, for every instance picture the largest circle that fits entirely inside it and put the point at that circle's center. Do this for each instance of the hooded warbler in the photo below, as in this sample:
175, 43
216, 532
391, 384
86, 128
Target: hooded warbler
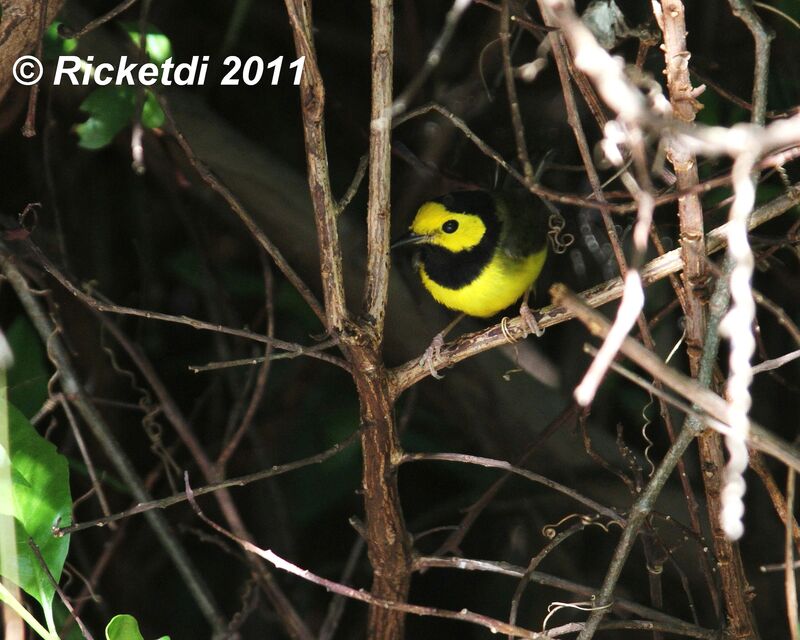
480, 251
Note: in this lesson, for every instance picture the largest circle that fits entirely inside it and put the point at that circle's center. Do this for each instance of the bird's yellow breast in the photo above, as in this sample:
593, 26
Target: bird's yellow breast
500, 284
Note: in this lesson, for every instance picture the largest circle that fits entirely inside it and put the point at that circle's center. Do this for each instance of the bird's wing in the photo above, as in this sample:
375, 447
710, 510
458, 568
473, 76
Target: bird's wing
524, 229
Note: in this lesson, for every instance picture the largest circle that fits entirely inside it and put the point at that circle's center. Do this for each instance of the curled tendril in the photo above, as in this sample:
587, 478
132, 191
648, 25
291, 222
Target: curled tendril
559, 240
588, 605
507, 331
647, 423
551, 530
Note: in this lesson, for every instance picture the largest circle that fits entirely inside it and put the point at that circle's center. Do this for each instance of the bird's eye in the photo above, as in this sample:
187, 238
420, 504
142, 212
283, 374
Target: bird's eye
450, 226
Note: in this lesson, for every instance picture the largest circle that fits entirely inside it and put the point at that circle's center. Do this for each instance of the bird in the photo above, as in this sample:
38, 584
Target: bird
478, 253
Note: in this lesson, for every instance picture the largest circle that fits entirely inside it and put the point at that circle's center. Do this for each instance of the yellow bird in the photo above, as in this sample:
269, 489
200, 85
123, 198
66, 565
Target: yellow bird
479, 251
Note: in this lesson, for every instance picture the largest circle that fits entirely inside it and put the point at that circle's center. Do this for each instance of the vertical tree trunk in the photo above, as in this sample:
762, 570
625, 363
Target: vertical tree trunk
388, 543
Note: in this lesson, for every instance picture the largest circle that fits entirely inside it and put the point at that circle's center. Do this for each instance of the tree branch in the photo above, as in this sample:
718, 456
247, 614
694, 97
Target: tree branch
380, 155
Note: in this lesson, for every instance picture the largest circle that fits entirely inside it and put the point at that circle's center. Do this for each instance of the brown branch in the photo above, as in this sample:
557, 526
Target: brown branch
790, 581
672, 20
312, 98
29, 127
712, 405
233, 202
695, 277
107, 307
743, 10
375, 602
388, 540
524, 473
241, 481
511, 92
376, 288
620, 604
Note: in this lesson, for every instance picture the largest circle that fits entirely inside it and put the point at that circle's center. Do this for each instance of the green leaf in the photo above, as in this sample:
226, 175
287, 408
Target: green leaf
54, 45
125, 627
152, 113
157, 45
39, 500
110, 110
27, 378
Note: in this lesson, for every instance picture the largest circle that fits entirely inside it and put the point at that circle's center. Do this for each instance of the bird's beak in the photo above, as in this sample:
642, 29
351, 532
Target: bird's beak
409, 238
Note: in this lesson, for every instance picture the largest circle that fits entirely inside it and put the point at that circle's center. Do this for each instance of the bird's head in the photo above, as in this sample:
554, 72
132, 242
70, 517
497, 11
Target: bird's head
456, 222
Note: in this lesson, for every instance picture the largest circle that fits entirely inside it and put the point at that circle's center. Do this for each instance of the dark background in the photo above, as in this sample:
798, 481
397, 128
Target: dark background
163, 241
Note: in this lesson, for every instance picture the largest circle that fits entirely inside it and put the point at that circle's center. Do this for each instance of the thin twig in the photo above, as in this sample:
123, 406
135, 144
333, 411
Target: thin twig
775, 363
777, 499
240, 481
433, 58
194, 323
63, 596
283, 355
453, 541
87, 459
338, 603
534, 563
620, 604
359, 594
358, 176
116, 454
511, 92
261, 379
312, 94
461, 458
789, 577
233, 202
66, 32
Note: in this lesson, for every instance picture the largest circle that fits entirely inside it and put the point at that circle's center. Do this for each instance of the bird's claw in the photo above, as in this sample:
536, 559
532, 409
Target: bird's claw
530, 320
432, 353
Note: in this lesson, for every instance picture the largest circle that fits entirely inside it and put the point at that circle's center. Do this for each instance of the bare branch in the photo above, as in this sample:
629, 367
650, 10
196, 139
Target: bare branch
496, 626
524, 473
376, 288
241, 481
312, 96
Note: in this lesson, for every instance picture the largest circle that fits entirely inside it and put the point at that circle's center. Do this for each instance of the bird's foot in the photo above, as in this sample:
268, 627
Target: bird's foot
530, 320
431, 354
